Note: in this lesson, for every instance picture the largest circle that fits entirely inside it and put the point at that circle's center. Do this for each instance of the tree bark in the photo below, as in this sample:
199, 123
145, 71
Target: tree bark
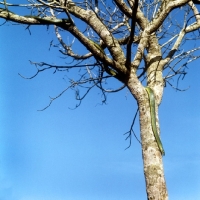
152, 158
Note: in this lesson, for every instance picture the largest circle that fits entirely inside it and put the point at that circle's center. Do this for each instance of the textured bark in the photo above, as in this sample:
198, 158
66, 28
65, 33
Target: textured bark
152, 158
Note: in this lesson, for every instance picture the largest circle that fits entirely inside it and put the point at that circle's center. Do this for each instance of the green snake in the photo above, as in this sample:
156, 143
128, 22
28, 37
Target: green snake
153, 119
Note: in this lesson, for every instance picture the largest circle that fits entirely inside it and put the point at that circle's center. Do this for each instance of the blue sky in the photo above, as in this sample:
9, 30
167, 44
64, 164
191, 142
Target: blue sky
79, 154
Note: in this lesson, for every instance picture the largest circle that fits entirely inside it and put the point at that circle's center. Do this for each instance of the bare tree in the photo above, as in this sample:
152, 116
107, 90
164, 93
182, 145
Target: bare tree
138, 43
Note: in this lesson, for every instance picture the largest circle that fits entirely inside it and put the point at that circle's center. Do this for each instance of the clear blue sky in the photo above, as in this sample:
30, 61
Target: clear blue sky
79, 154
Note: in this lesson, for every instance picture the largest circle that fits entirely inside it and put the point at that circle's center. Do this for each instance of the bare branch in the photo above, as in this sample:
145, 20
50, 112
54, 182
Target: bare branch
132, 131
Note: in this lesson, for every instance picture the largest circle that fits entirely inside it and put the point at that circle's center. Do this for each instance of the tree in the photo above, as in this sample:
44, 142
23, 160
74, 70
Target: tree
135, 43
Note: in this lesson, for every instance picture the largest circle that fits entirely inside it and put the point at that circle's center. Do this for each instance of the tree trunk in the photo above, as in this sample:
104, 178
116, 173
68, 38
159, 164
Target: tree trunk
152, 158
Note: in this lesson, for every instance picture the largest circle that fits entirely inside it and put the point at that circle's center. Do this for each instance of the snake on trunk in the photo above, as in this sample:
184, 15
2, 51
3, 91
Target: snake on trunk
153, 119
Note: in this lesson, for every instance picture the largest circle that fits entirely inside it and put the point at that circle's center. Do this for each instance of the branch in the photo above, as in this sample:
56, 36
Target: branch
32, 20
129, 44
96, 51
68, 50
101, 29
131, 130
72, 85
164, 10
49, 66
124, 8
